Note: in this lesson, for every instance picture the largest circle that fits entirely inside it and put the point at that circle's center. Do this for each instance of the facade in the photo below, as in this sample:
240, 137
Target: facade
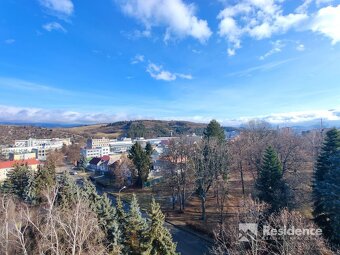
95, 152
22, 156
40, 147
32, 142
121, 146
7, 166
96, 143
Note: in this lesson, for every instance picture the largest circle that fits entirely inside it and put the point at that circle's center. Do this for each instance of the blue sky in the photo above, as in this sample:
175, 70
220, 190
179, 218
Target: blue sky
74, 61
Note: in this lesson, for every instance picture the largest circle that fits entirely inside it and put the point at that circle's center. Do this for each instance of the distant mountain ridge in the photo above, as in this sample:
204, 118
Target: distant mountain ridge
140, 128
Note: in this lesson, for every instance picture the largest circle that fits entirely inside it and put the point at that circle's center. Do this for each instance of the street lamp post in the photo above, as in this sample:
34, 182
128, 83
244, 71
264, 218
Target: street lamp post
124, 187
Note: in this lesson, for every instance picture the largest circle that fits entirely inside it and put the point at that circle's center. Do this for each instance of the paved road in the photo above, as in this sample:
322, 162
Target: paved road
187, 243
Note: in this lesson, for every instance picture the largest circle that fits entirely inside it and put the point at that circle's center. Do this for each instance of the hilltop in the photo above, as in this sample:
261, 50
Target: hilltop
9, 133
136, 128
139, 128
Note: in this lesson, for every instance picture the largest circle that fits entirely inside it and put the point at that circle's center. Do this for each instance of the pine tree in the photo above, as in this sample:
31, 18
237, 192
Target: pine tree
83, 163
44, 179
214, 130
107, 219
67, 191
148, 148
135, 229
142, 161
106, 213
158, 240
90, 193
269, 183
121, 218
329, 192
326, 187
19, 182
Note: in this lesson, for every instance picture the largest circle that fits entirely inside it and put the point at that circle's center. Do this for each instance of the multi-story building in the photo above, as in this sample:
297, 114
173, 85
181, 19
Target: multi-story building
40, 147
7, 166
22, 156
120, 146
95, 152
32, 142
96, 143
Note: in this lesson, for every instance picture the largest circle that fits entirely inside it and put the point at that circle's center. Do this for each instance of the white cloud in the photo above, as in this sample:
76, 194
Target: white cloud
10, 41
137, 59
178, 18
258, 19
277, 47
54, 26
28, 85
39, 115
231, 52
157, 72
300, 47
260, 68
58, 7
327, 22
304, 116
321, 2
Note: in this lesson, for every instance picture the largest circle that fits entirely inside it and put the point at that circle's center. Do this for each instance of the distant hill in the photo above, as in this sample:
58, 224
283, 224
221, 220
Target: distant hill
9, 133
139, 128
133, 129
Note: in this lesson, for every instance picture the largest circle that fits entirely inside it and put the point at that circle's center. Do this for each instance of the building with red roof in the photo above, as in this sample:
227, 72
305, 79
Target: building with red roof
7, 166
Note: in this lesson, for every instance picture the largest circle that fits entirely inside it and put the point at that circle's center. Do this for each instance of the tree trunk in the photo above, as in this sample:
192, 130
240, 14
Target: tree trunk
203, 216
242, 180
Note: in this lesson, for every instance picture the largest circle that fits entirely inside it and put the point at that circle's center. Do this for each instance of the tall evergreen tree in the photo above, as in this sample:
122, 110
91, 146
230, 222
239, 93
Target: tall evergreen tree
148, 148
142, 161
106, 214
121, 218
158, 240
329, 199
82, 164
270, 184
135, 229
107, 219
19, 182
326, 186
44, 179
214, 130
67, 190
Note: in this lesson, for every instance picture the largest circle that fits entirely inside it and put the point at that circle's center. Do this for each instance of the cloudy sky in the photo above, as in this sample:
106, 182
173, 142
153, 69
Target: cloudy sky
75, 61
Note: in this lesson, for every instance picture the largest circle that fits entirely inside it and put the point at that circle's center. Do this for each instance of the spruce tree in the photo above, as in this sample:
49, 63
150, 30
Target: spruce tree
106, 213
329, 192
121, 218
90, 193
82, 163
142, 161
107, 219
269, 183
135, 229
214, 130
44, 179
67, 190
158, 240
19, 182
326, 187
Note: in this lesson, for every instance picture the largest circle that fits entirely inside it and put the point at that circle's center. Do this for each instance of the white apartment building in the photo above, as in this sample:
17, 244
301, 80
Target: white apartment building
40, 147
96, 152
32, 142
95, 143
22, 156
121, 146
